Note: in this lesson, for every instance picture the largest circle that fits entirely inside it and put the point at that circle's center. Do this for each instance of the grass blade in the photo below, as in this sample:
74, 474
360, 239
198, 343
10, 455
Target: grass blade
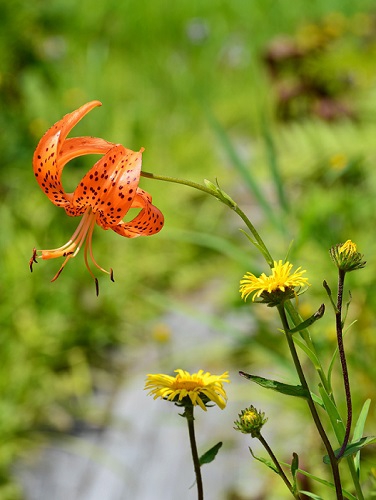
358, 431
274, 167
242, 169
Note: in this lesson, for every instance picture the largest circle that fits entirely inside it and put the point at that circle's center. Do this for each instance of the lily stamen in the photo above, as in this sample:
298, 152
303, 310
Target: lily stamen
61, 251
88, 246
33, 259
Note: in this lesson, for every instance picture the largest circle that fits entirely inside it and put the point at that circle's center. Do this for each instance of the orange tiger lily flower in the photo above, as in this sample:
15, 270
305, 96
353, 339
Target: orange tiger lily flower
104, 195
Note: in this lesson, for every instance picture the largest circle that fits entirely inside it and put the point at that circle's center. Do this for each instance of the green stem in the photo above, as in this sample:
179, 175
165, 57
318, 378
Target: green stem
176, 180
278, 466
188, 413
226, 200
311, 404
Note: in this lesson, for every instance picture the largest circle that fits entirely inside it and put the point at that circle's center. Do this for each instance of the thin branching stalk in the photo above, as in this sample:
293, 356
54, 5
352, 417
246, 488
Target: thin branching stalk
342, 357
311, 404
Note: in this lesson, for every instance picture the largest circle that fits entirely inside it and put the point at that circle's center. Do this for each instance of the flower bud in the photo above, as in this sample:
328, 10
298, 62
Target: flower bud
250, 421
346, 257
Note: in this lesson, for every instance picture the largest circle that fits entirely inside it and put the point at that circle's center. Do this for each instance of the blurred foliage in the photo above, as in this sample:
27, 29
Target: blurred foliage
321, 68
164, 73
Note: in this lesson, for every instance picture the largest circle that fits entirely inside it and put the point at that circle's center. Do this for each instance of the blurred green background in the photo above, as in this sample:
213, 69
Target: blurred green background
274, 99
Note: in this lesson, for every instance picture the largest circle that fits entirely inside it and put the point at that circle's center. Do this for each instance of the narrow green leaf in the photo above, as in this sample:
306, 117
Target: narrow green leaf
311, 495
358, 432
288, 390
359, 426
294, 464
345, 309
308, 322
329, 292
264, 461
254, 242
334, 416
294, 469
330, 485
274, 166
311, 355
317, 400
289, 248
210, 455
354, 447
296, 319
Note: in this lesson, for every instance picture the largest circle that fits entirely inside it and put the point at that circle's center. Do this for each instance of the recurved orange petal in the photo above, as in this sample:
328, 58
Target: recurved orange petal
149, 221
46, 163
79, 146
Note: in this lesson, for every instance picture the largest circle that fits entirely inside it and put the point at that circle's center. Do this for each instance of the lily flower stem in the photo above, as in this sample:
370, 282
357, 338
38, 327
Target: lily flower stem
278, 467
311, 405
188, 413
261, 245
176, 180
342, 357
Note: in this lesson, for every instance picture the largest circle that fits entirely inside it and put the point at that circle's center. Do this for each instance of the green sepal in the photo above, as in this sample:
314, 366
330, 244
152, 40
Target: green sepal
210, 455
308, 322
353, 447
288, 390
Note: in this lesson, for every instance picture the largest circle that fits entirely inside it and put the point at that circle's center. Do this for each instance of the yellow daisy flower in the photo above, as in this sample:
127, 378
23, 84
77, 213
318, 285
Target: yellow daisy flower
199, 388
281, 280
